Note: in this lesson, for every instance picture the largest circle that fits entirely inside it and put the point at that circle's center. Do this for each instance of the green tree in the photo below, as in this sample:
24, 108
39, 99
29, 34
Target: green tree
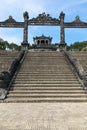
6, 45
77, 46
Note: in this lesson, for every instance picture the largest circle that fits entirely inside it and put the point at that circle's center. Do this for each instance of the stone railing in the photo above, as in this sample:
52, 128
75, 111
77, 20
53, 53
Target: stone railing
78, 68
7, 76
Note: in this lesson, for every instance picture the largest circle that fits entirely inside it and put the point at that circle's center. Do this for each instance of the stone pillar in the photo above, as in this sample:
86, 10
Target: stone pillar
25, 44
62, 44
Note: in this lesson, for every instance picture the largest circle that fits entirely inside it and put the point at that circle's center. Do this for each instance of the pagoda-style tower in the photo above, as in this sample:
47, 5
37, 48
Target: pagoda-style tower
42, 41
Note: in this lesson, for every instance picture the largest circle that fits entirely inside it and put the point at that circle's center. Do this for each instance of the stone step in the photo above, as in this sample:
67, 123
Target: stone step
39, 77
28, 78
60, 71
41, 95
21, 100
44, 88
49, 62
49, 91
46, 82
45, 73
45, 59
46, 85
45, 63
42, 77
45, 55
45, 68
19, 79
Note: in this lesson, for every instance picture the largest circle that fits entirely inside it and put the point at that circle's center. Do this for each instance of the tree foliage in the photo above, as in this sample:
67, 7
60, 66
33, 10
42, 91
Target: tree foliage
4, 45
78, 46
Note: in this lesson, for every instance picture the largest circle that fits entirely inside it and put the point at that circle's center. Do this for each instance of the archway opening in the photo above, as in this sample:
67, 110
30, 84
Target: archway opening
42, 42
12, 37
52, 31
73, 35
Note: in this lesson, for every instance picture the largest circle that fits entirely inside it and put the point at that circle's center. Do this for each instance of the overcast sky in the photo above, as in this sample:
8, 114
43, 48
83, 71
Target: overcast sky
71, 8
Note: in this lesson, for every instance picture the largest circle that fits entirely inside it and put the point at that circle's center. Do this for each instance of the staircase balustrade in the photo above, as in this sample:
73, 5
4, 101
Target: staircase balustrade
7, 76
78, 68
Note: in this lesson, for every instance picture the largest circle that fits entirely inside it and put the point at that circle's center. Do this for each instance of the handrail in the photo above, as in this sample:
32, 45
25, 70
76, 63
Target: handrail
6, 76
78, 68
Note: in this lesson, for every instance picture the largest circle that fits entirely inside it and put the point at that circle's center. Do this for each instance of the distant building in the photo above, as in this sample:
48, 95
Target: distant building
42, 41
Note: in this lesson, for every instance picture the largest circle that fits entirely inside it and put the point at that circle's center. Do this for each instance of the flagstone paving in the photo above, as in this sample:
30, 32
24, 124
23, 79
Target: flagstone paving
43, 116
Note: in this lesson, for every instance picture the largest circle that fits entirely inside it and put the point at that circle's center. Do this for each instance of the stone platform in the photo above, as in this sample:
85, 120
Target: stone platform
43, 116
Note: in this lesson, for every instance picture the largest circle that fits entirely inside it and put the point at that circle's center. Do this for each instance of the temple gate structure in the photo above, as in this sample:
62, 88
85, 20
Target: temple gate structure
43, 20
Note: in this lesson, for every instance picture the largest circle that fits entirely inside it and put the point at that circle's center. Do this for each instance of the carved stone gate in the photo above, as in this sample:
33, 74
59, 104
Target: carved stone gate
43, 20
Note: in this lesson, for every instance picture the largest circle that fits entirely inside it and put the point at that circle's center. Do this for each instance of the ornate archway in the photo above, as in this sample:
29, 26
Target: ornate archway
43, 20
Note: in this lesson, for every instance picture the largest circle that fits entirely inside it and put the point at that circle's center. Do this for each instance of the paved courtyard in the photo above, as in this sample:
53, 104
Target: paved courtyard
43, 116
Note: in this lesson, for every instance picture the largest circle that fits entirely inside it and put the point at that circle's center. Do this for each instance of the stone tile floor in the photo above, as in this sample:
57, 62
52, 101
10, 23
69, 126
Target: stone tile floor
43, 116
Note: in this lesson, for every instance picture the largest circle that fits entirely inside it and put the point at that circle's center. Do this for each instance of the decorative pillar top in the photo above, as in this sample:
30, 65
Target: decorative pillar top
26, 16
62, 16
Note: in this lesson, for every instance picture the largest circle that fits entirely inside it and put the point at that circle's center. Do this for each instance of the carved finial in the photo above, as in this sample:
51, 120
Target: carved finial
42, 35
10, 20
77, 18
62, 15
10, 17
48, 15
26, 15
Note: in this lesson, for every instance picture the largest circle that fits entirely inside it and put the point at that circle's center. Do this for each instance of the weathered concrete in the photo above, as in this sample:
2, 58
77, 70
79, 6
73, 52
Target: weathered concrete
43, 116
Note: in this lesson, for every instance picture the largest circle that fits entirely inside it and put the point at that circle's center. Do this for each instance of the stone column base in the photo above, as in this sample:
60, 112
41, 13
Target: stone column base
62, 46
24, 46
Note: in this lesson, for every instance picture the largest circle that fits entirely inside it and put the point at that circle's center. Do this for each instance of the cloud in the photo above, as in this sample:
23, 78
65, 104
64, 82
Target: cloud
34, 7
82, 2
16, 8
70, 7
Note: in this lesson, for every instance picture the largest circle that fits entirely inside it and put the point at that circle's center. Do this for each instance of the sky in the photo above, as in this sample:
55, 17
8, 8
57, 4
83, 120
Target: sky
16, 8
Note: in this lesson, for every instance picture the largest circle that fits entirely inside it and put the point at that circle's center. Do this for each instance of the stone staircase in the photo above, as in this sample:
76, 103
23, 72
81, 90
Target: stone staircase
6, 58
81, 56
46, 77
